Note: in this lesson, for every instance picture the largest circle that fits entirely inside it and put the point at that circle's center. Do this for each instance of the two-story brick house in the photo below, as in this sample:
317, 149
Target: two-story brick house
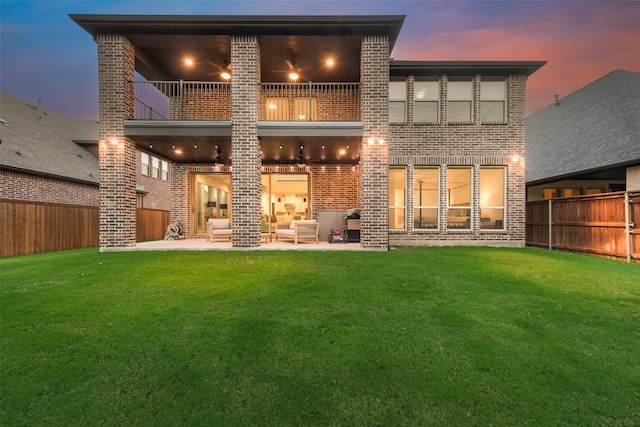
273, 118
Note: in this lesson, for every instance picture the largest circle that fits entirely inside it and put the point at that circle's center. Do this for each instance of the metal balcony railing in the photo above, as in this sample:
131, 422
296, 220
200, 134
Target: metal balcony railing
310, 102
181, 100
187, 100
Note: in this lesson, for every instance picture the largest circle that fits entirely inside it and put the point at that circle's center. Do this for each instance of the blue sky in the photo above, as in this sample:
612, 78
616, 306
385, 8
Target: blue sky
45, 55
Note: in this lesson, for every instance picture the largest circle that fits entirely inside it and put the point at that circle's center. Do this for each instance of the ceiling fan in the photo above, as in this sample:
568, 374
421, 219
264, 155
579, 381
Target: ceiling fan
301, 163
293, 71
224, 71
219, 160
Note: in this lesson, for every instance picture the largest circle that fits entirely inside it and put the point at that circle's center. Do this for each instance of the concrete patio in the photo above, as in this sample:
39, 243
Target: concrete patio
202, 245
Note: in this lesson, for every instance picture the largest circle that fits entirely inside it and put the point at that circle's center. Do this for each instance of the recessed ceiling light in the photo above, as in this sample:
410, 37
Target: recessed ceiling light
330, 62
188, 62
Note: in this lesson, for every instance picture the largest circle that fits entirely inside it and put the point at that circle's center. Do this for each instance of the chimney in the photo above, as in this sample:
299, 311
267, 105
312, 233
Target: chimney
40, 114
557, 102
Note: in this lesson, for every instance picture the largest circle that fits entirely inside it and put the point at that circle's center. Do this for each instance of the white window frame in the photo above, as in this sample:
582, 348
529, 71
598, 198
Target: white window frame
397, 97
155, 167
493, 91
427, 95
451, 208
504, 198
457, 94
393, 199
416, 202
145, 167
165, 170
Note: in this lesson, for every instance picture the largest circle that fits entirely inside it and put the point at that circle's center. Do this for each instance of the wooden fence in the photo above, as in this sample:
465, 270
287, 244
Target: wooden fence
31, 227
604, 224
151, 224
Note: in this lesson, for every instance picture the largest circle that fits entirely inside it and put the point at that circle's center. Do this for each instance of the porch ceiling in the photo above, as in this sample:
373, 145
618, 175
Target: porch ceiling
201, 149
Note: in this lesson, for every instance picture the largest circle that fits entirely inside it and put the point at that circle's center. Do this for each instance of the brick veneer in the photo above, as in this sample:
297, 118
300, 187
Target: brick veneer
116, 66
21, 186
475, 145
159, 191
245, 145
374, 171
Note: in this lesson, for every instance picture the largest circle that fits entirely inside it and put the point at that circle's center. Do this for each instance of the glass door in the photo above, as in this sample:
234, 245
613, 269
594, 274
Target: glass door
212, 198
285, 197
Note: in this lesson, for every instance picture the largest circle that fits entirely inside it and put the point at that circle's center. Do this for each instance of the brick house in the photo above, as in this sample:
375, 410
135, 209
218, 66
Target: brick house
266, 119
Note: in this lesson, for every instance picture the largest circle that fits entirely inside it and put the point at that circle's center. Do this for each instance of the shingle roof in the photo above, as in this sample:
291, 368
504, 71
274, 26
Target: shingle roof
595, 127
45, 145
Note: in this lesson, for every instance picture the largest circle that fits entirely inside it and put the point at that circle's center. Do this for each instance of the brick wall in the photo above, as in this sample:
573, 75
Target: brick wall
374, 171
334, 187
116, 65
473, 145
245, 145
24, 187
158, 191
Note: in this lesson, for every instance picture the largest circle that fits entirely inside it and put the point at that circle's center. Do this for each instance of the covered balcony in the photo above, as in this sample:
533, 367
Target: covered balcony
211, 101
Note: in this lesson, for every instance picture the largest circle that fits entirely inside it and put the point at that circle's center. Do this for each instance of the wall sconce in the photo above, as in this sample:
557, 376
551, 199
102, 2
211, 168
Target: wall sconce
373, 140
114, 141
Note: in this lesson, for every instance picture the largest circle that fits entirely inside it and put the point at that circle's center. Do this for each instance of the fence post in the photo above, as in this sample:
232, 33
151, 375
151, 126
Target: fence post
627, 224
550, 225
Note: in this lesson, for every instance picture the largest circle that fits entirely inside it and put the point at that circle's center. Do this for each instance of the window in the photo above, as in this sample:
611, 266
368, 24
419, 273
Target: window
426, 102
165, 170
493, 95
398, 102
144, 163
301, 109
459, 198
492, 198
155, 167
570, 192
549, 193
460, 101
425, 198
397, 185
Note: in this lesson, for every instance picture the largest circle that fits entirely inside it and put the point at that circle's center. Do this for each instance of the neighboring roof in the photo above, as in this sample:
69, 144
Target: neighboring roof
39, 142
463, 68
594, 128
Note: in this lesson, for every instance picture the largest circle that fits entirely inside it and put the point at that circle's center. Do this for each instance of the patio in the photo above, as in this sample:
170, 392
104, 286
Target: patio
201, 244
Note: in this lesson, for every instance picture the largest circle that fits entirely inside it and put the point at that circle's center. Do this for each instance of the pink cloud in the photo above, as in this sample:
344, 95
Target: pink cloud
581, 42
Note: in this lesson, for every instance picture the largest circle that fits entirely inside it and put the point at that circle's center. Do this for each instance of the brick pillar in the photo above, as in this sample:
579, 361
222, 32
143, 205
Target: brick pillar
516, 182
374, 158
180, 200
245, 146
116, 66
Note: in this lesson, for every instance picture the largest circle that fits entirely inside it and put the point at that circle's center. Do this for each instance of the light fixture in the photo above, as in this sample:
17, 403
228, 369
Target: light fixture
342, 152
114, 141
294, 76
188, 62
515, 158
225, 75
178, 151
330, 62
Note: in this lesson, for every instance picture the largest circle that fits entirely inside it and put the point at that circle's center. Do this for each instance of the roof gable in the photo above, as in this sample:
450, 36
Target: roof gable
40, 142
596, 127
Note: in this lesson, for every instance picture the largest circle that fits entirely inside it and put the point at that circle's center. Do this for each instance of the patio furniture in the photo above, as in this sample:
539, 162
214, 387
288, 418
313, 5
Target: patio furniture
299, 231
218, 229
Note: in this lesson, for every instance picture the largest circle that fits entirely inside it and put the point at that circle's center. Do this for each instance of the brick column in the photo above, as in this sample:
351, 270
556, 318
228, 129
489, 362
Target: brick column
374, 158
245, 146
516, 181
116, 66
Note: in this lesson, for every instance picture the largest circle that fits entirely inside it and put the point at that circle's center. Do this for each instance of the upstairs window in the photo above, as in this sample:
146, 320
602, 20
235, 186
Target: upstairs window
426, 101
493, 100
144, 164
397, 101
155, 167
460, 101
165, 170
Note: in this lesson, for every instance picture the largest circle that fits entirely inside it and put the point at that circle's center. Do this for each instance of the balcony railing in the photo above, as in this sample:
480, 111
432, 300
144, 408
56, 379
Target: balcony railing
310, 101
186, 100
182, 100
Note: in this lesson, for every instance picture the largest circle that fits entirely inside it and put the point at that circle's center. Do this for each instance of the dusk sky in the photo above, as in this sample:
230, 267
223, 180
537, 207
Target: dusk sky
45, 55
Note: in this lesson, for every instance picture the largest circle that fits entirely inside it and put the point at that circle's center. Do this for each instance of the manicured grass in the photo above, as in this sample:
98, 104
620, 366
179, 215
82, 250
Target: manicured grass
440, 336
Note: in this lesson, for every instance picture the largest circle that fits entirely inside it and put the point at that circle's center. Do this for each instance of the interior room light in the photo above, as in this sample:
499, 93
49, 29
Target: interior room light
272, 106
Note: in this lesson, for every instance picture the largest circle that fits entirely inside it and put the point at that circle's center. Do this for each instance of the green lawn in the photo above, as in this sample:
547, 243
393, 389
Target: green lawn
430, 336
